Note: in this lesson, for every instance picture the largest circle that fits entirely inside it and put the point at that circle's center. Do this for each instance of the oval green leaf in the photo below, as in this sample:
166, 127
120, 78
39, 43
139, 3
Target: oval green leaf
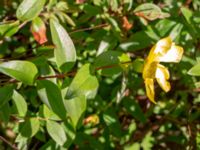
23, 71
29, 128
65, 53
195, 70
50, 94
110, 61
9, 29
57, 132
20, 103
29, 9
76, 108
84, 83
149, 11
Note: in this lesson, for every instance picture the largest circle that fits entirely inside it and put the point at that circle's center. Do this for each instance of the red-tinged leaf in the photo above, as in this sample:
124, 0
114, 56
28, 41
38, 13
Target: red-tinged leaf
126, 24
80, 1
38, 30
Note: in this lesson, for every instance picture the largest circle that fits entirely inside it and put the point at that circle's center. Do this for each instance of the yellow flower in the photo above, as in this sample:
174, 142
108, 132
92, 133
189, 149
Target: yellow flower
163, 51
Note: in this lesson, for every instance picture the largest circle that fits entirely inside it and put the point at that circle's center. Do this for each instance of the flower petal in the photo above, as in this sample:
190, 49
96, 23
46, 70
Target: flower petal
173, 55
163, 46
159, 49
149, 85
149, 69
162, 75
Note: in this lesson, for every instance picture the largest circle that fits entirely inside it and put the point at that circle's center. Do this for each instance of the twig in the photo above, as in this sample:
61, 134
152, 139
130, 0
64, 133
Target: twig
7, 142
90, 28
73, 73
22, 25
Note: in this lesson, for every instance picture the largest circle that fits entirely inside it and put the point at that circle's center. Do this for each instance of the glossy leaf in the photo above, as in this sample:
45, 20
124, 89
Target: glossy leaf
56, 132
29, 128
49, 114
29, 9
75, 108
195, 70
9, 29
23, 71
70, 133
50, 94
138, 41
149, 11
20, 104
84, 83
65, 52
112, 59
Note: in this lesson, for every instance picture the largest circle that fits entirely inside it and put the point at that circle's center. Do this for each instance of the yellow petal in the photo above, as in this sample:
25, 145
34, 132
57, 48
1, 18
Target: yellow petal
149, 85
162, 75
149, 69
173, 55
163, 46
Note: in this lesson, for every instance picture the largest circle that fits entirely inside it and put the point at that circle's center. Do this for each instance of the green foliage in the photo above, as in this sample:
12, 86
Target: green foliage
29, 9
71, 75
21, 70
65, 53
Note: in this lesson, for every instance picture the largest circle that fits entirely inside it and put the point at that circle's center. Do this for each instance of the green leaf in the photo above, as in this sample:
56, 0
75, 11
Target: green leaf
188, 15
5, 112
107, 42
48, 114
50, 145
111, 119
92, 142
112, 59
134, 109
75, 108
23, 71
84, 83
65, 53
148, 141
139, 40
29, 9
134, 146
20, 103
70, 132
195, 70
9, 29
115, 26
5, 94
51, 4
138, 65
50, 94
150, 11
91, 10
29, 128
57, 132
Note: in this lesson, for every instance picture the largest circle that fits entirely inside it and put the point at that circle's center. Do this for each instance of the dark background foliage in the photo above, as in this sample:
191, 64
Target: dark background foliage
105, 105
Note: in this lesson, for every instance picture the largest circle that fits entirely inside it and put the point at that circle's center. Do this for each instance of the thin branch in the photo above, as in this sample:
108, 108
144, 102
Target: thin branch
8, 143
72, 73
22, 25
90, 28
